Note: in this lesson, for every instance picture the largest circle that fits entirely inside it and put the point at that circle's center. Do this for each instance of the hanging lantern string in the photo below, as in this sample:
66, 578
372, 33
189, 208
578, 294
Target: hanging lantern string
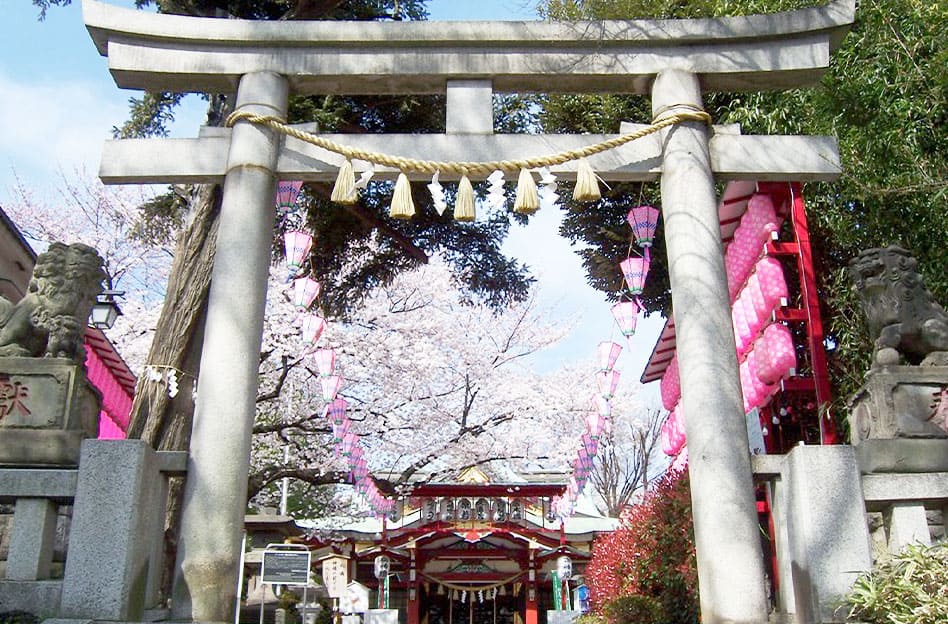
466, 167
474, 588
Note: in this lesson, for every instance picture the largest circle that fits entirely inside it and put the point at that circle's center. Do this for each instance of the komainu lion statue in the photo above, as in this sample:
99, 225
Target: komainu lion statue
903, 316
50, 320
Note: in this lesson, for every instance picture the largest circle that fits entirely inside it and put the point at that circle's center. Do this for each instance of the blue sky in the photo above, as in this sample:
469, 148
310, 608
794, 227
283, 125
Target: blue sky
59, 105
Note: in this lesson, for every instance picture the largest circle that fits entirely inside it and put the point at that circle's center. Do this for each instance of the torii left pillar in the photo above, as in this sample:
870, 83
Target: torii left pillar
215, 492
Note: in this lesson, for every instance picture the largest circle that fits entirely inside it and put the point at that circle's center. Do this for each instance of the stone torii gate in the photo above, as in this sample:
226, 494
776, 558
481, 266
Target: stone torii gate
673, 60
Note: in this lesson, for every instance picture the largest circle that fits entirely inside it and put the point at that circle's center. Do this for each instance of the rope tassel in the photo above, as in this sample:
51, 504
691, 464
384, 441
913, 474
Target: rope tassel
344, 191
527, 201
587, 187
402, 205
464, 204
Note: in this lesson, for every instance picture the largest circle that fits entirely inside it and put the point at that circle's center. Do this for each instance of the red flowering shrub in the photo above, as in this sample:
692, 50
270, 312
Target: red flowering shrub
652, 554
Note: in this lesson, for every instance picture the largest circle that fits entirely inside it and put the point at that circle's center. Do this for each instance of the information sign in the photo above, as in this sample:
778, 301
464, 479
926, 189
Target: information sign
285, 567
336, 576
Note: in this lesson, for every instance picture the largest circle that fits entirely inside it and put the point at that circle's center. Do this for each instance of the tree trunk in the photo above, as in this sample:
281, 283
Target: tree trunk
162, 421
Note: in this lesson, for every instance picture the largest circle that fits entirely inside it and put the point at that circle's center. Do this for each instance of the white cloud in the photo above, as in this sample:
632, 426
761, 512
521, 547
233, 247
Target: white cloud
45, 128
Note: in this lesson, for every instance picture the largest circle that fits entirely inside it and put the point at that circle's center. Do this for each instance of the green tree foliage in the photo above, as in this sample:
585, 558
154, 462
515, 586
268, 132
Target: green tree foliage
885, 97
647, 566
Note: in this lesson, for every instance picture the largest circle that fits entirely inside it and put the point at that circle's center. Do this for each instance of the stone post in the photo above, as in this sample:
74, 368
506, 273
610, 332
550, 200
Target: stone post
32, 539
216, 488
727, 539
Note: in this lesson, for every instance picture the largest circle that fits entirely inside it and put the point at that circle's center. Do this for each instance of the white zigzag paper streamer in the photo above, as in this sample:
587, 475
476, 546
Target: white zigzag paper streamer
437, 194
496, 198
364, 177
547, 191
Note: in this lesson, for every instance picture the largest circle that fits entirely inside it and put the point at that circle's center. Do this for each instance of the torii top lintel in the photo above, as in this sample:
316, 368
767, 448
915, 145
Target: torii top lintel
159, 52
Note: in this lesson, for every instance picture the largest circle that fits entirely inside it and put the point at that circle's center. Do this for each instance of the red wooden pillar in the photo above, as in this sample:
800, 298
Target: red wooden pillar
532, 614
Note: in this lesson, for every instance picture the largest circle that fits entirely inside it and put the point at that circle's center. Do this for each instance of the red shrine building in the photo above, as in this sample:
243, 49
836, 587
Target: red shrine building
468, 552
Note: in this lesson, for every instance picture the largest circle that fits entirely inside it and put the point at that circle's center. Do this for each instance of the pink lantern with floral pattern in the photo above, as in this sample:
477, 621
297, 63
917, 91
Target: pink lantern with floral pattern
608, 352
670, 385
608, 381
325, 360
305, 291
313, 327
288, 192
777, 357
643, 220
635, 270
330, 385
297, 245
626, 314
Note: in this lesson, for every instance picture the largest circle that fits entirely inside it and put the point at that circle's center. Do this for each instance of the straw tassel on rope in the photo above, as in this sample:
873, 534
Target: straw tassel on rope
587, 187
528, 201
464, 203
402, 205
344, 191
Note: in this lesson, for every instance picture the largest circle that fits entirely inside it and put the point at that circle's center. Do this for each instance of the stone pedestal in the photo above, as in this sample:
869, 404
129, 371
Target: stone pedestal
381, 616
562, 617
47, 408
112, 568
829, 539
901, 402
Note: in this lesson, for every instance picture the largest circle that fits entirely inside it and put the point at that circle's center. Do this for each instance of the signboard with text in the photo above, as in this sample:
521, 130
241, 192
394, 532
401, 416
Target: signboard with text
336, 576
285, 567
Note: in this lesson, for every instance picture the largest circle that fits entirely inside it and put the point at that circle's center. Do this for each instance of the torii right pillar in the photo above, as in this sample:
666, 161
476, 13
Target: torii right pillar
731, 578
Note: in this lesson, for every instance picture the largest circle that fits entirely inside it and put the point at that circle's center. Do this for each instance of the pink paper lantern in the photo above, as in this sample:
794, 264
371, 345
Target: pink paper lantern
595, 423
608, 352
305, 291
626, 314
670, 385
297, 244
325, 360
607, 381
313, 327
340, 428
773, 286
330, 385
673, 432
754, 322
764, 390
590, 443
777, 357
336, 411
748, 390
761, 310
603, 408
288, 192
643, 220
742, 329
635, 270
761, 216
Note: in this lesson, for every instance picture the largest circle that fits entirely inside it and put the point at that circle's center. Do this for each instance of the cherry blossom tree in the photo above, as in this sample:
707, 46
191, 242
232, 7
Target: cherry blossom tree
628, 460
435, 381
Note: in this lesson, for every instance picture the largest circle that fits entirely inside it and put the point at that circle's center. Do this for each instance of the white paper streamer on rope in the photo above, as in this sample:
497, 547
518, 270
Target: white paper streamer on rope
463, 597
172, 379
496, 198
480, 595
547, 188
437, 194
365, 176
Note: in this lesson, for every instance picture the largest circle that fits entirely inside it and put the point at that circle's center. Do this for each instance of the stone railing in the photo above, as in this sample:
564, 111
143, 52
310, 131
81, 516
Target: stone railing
114, 555
832, 517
